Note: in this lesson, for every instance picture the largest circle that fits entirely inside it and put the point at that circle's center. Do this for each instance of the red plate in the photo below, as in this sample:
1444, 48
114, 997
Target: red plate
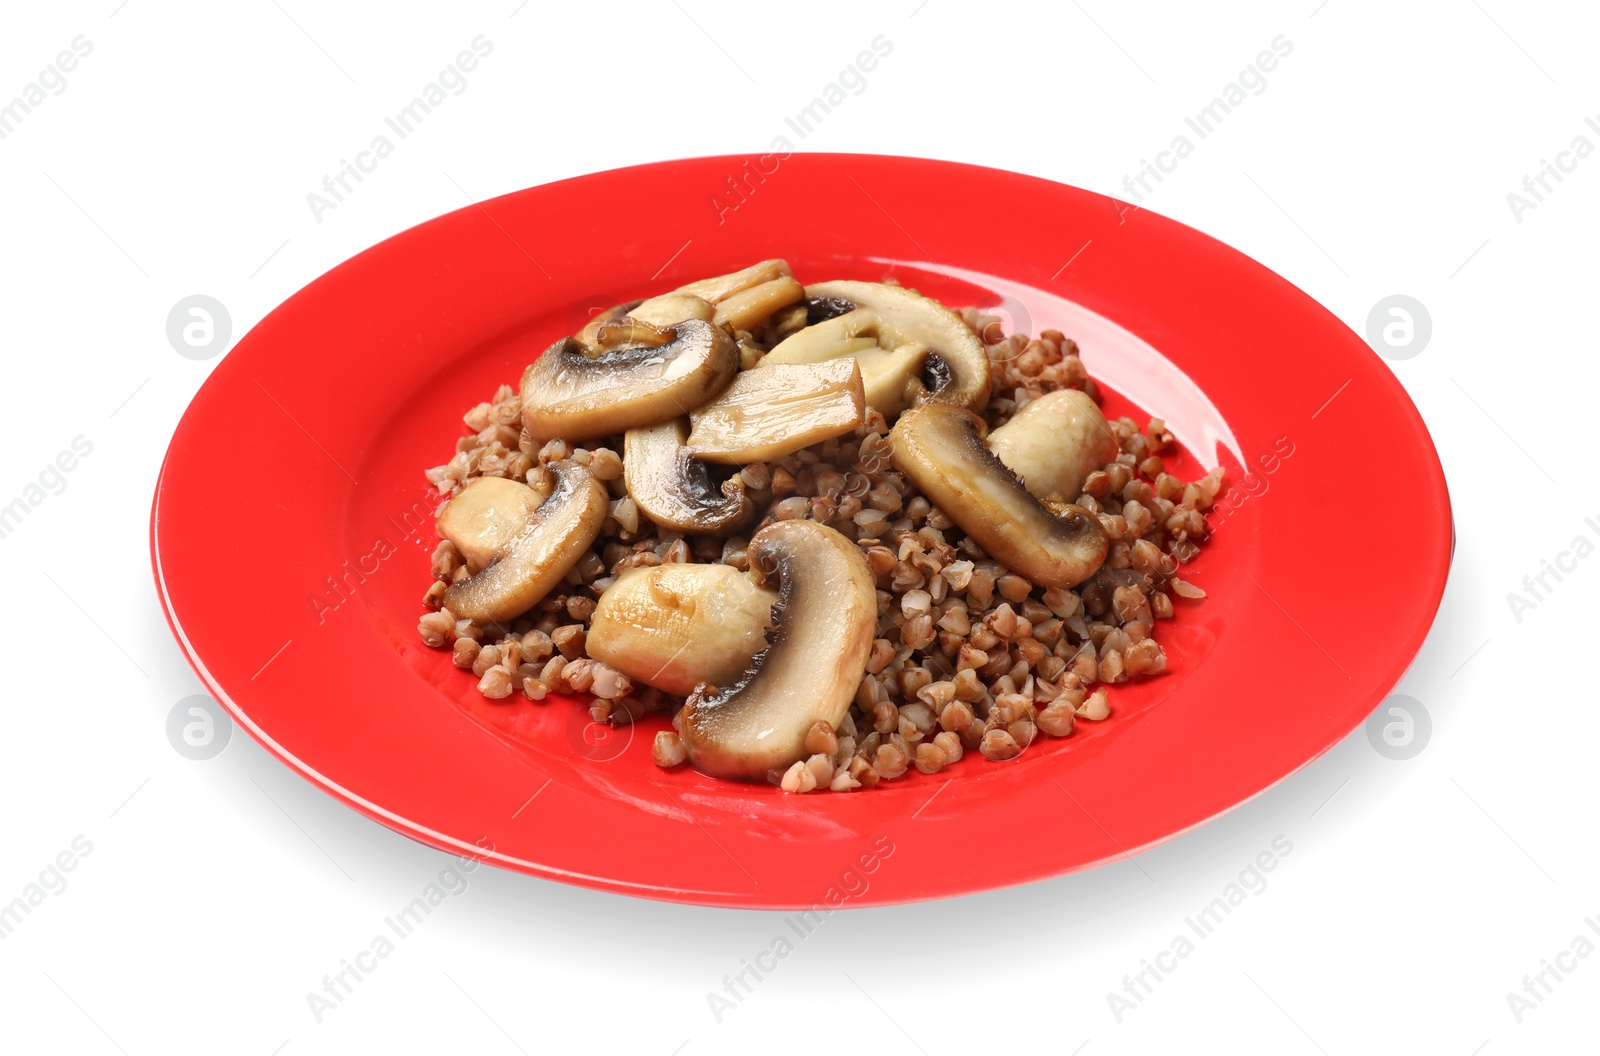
292, 525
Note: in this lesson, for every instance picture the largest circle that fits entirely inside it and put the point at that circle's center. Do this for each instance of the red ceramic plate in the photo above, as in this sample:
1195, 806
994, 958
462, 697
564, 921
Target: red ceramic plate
292, 525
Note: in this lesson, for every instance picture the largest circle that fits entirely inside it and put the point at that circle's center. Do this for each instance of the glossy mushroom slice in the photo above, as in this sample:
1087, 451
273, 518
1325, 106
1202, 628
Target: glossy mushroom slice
675, 489
747, 298
568, 394
720, 287
772, 411
1054, 443
907, 344
940, 447
675, 626
543, 549
485, 516
826, 617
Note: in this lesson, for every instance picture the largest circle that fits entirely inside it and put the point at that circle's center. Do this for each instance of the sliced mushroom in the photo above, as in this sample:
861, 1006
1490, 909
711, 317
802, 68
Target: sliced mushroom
669, 309
544, 548
675, 489
940, 447
677, 625
875, 323
892, 378
589, 336
568, 394
721, 287
826, 617
772, 411
485, 516
750, 308
1054, 442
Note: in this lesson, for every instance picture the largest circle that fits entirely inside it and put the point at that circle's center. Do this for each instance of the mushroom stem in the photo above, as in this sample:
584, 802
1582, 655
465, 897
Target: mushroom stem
772, 411
721, 287
852, 317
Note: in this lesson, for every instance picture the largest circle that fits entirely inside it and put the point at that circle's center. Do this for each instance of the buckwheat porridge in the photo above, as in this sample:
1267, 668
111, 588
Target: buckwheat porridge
834, 531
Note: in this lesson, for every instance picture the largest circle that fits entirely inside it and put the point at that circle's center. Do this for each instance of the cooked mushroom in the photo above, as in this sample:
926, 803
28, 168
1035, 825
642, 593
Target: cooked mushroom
876, 323
568, 394
721, 287
748, 309
485, 516
940, 447
1054, 442
669, 309
675, 626
674, 489
544, 547
589, 336
826, 617
641, 322
772, 411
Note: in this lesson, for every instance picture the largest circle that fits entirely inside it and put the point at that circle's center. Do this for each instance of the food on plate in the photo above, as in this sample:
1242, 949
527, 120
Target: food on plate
542, 547
568, 394
777, 409
676, 626
940, 448
824, 623
833, 532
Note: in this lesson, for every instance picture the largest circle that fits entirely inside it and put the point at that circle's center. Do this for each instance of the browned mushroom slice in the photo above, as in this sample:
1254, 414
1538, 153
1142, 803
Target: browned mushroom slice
485, 516
542, 551
721, 287
675, 489
1054, 442
748, 309
772, 411
940, 447
677, 625
876, 323
589, 335
568, 394
826, 617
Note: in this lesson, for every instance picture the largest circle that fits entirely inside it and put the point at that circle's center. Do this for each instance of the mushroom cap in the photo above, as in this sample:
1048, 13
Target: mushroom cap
569, 394
940, 447
675, 489
1055, 442
676, 625
552, 540
483, 518
825, 620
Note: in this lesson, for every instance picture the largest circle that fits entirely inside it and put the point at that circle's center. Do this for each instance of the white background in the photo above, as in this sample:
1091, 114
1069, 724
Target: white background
1377, 161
